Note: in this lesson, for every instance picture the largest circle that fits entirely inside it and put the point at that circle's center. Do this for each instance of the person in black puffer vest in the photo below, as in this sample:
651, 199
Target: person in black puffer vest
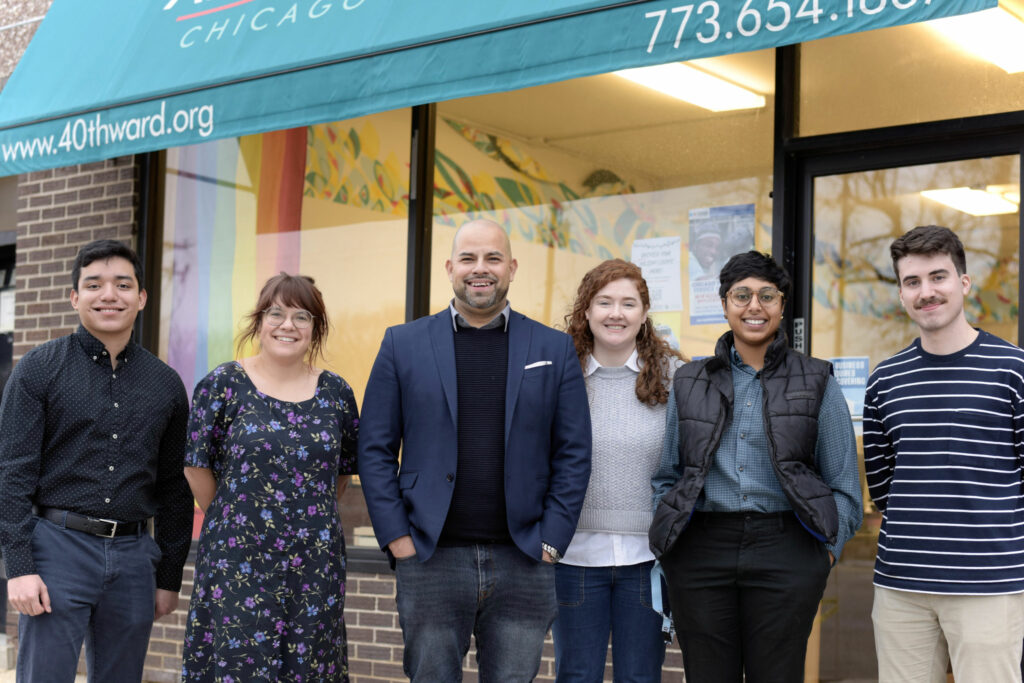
757, 491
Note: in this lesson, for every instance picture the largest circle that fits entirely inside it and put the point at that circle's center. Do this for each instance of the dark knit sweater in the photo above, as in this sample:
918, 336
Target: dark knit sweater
477, 512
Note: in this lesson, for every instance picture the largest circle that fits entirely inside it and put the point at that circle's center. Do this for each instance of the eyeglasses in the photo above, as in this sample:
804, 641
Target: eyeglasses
742, 296
275, 317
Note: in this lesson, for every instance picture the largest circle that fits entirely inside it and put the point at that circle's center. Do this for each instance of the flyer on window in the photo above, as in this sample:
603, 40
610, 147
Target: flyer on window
659, 260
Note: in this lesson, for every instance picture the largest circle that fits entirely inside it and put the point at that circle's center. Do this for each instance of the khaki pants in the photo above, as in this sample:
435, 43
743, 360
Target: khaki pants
983, 634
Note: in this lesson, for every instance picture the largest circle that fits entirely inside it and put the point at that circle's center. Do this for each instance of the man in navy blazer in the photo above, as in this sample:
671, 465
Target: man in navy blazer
490, 411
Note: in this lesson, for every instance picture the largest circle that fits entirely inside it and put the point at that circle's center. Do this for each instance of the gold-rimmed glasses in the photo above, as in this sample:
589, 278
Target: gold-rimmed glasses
275, 317
742, 296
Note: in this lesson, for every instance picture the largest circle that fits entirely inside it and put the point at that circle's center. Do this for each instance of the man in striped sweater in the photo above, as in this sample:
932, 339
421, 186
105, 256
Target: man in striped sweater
943, 435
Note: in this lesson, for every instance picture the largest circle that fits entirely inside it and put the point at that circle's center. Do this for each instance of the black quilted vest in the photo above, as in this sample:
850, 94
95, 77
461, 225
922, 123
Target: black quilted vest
792, 389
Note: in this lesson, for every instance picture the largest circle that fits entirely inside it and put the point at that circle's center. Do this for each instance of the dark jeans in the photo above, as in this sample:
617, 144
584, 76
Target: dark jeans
494, 592
3, 597
594, 602
744, 589
101, 591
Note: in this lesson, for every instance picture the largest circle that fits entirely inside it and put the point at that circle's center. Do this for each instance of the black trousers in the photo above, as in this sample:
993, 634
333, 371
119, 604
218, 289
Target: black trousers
744, 590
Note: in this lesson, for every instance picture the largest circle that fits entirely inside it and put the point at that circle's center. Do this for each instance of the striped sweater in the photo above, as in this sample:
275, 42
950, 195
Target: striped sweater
942, 453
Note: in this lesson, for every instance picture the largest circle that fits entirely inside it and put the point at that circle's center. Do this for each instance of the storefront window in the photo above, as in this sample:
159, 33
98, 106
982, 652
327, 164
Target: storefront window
856, 309
328, 201
902, 75
600, 167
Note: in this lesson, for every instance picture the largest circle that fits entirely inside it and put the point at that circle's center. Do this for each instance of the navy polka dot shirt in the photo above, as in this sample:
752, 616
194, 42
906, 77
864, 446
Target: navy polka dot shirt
79, 435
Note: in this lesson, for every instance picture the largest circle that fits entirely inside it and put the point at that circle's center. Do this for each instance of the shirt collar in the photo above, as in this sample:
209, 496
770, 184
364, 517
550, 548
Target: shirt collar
738, 362
458, 321
633, 363
95, 349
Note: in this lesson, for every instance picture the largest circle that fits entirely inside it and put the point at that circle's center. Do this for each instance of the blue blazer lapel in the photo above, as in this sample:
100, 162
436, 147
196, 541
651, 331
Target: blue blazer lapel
443, 341
519, 334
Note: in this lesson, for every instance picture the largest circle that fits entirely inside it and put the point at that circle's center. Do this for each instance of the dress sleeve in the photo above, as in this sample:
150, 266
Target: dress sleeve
207, 421
348, 427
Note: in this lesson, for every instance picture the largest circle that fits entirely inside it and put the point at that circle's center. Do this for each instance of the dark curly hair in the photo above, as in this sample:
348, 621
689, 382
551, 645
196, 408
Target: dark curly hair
654, 352
296, 291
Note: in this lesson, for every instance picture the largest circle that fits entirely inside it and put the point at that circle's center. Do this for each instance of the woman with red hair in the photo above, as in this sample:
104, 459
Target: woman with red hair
603, 581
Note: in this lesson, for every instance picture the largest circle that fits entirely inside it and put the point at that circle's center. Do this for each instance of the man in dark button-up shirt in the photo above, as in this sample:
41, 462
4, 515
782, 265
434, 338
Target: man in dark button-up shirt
92, 438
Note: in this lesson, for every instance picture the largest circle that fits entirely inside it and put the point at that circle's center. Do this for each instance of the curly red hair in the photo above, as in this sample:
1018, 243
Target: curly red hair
655, 354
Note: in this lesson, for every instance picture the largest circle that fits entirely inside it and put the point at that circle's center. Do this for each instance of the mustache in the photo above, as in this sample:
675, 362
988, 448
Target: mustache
930, 301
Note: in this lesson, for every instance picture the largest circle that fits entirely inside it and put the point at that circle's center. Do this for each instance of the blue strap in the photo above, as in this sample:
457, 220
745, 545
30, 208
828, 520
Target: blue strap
660, 603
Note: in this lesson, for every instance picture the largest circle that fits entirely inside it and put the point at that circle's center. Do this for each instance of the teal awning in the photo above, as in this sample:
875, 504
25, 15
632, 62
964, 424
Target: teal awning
106, 78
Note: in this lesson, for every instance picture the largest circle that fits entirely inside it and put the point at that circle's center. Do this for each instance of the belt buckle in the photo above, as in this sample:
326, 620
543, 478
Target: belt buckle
113, 527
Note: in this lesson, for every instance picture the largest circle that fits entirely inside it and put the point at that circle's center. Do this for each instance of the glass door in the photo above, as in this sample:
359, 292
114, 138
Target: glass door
857, 320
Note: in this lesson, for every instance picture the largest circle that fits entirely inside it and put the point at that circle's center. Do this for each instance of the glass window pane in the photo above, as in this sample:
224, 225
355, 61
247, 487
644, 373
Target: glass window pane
901, 75
328, 201
856, 309
588, 169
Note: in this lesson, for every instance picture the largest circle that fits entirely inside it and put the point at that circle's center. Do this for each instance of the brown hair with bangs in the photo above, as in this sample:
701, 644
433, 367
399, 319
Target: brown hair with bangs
296, 291
655, 354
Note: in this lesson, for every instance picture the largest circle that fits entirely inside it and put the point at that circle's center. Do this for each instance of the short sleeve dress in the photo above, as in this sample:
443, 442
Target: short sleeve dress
270, 572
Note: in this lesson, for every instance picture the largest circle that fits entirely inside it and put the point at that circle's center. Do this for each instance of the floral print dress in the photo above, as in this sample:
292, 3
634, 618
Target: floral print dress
270, 572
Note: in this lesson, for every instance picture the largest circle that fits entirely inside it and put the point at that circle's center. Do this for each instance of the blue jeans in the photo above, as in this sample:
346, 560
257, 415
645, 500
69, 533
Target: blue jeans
101, 591
494, 592
594, 602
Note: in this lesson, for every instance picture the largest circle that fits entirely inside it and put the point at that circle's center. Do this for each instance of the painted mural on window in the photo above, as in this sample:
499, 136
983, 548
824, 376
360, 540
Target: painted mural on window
331, 201
858, 215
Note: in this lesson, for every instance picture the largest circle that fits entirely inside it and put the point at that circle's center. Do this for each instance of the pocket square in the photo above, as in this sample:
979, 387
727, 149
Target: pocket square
538, 364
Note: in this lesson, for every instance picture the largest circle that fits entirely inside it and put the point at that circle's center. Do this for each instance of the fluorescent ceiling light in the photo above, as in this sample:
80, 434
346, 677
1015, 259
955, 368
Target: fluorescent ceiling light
972, 201
694, 86
994, 34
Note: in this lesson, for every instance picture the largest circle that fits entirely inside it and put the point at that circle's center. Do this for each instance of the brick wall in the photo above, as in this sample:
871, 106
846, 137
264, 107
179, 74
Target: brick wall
59, 210
375, 639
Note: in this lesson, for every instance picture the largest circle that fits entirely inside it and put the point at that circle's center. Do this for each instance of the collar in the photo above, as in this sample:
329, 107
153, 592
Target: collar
497, 321
772, 357
633, 363
95, 349
739, 363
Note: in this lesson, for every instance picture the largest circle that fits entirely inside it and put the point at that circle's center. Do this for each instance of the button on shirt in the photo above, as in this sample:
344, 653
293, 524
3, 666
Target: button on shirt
77, 434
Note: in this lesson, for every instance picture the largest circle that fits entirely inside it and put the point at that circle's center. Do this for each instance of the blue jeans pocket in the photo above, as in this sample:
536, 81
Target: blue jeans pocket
569, 585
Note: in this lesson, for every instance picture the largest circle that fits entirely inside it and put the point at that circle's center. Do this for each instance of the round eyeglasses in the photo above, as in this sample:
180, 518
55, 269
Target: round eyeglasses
275, 317
742, 296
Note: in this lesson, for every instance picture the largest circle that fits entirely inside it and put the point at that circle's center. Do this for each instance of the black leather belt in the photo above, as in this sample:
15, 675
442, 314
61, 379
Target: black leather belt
91, 525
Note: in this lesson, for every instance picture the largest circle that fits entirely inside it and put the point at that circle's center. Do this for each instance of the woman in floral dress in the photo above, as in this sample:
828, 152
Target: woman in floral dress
272, 442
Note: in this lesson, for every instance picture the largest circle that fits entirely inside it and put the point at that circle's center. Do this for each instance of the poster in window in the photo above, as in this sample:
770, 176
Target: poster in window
716, 234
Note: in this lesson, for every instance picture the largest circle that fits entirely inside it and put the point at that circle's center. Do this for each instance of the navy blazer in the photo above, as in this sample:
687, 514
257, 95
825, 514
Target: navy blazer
410, 403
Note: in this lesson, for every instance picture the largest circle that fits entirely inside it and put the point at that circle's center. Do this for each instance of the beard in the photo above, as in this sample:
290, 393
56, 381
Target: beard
479, 300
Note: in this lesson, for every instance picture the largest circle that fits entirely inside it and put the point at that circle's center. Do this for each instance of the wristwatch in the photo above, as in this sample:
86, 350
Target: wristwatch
552, 551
